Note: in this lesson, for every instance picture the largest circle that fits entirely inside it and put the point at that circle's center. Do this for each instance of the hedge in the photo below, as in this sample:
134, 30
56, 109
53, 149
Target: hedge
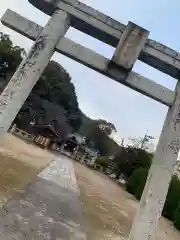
176, 218
173, 198
137, 181
135, 186
103, 162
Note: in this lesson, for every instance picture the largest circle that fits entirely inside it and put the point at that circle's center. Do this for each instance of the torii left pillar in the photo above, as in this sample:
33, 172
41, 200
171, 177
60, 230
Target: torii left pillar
31, 68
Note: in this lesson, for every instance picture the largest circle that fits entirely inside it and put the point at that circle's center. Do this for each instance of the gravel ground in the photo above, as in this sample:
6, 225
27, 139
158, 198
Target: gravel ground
48, 209
109, 209
19, 165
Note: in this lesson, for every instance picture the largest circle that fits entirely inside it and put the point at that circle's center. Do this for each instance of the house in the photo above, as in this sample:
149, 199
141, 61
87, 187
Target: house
70, 145
85, 154
79, 138
45, 135
75, 147
90, 156
51, 135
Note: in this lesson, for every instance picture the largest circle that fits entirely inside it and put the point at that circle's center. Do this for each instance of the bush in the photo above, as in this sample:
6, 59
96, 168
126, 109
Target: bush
129, 159
176, 218
137, 181
140, 188
173, 198
103, 161
135, 186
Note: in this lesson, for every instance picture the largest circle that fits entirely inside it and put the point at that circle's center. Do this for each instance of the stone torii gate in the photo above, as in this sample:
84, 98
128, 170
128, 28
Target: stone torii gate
131, 43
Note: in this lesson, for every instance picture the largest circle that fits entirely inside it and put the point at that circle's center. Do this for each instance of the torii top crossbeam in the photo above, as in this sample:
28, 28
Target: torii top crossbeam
108, 30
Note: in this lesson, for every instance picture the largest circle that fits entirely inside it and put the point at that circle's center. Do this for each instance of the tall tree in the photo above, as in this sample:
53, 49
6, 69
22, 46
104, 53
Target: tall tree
98, 132
55, 87
40, 112
106, 127
10, 58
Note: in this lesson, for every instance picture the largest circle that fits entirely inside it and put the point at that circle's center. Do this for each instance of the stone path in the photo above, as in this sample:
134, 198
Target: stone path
49, 209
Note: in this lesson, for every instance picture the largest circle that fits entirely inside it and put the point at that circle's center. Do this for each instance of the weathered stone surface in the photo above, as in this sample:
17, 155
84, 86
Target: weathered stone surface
108, 30
160, 174
49, 209
22, 82
92, 59
130, 45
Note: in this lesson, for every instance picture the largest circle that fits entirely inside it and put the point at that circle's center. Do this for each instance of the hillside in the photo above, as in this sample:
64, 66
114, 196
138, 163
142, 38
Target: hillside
53, 101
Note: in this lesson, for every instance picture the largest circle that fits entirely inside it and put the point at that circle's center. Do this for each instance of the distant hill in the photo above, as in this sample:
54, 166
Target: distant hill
53, 100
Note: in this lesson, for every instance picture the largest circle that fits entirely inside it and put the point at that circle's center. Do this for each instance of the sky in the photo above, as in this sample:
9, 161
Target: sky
98, 96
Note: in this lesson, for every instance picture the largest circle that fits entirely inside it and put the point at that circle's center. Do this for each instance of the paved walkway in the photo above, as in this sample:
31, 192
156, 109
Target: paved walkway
49, 209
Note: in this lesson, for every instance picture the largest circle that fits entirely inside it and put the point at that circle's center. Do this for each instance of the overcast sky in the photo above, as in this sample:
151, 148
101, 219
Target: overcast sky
101, 97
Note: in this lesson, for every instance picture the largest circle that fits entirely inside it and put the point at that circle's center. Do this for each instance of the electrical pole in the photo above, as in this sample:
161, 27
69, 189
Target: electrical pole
145, 139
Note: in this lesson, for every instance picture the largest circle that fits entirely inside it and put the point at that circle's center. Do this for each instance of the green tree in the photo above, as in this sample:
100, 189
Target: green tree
53, 89
98, 137
106, 127
42, 112
129, 159
137, 181
98, 132
10, 58
55, 86
103, 161
173, 198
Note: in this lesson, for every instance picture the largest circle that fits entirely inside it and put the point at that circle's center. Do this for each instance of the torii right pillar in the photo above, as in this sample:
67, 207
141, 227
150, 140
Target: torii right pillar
164, 161
160, 174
